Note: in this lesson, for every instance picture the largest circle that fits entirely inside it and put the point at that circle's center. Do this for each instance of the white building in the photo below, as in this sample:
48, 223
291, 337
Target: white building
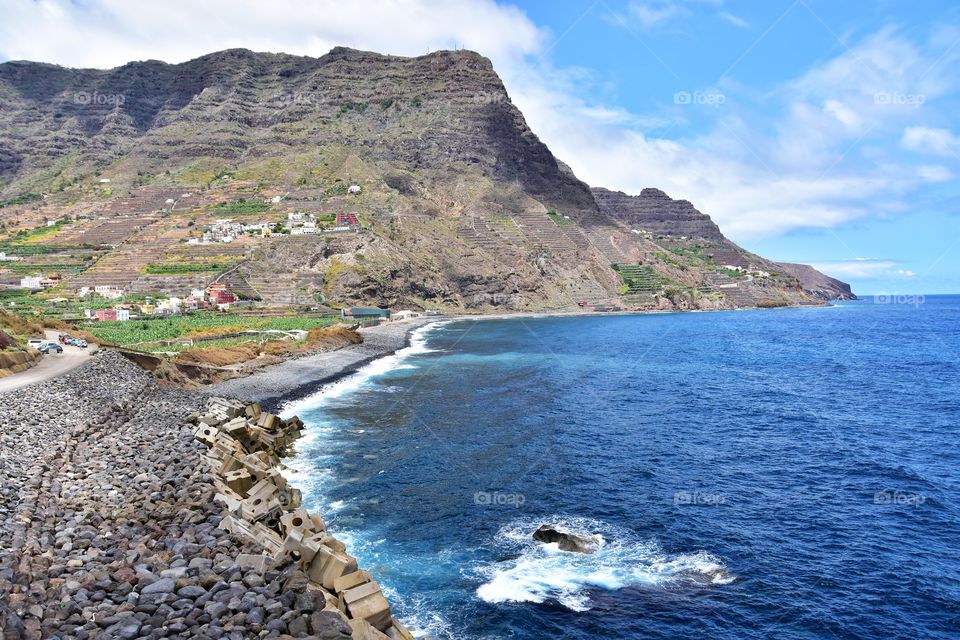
123, 314
354, 189
108, 291
295, 216
6, 258
31, 282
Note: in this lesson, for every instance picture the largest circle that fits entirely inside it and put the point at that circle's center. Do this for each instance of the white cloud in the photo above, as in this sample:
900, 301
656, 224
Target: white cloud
844, 114
649, 14
863, 268
821, 151
941, 142
106, 33
736, 21
934, 173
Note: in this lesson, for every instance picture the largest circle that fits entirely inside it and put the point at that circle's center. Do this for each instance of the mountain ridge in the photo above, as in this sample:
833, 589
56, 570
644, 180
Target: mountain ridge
463, 206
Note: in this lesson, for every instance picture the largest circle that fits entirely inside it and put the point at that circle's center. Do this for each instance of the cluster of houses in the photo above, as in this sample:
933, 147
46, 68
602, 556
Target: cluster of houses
216, 296
298, 223
758, 273
41, 281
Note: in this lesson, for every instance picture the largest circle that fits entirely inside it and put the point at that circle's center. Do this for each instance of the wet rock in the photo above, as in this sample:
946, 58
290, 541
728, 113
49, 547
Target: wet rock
567, 541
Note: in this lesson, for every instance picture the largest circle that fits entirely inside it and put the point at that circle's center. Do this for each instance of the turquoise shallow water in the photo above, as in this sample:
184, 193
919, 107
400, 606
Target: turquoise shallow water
788, 473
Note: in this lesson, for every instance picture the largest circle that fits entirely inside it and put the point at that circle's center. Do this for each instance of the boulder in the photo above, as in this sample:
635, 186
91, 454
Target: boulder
566, 540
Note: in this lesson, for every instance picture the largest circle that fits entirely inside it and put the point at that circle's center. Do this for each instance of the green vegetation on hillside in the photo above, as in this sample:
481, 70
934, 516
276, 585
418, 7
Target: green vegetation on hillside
639, 278
241, 207
179, 268
150, 334
25, 198
359, 107
558, 218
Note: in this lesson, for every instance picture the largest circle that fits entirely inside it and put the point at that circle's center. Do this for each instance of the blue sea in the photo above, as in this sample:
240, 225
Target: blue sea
788, 473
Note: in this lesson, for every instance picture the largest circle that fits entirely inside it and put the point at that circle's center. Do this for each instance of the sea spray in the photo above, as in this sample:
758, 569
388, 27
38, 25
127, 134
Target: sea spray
538, 572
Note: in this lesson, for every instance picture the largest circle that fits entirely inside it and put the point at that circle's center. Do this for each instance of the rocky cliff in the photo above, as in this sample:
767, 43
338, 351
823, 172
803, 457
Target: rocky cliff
655, 212
817, 283
459, 204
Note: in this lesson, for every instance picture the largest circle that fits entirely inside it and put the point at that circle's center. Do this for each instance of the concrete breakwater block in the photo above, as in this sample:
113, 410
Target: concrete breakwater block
244, 449
366, 601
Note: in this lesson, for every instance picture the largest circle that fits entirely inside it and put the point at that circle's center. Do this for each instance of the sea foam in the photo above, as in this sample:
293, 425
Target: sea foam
539, 573
363, 376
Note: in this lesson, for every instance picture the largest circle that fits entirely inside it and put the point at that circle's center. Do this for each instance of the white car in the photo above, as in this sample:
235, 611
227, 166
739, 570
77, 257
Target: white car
36, 343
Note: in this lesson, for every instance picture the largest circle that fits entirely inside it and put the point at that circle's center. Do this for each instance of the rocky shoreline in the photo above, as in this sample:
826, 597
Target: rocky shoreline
109, 526
275, 384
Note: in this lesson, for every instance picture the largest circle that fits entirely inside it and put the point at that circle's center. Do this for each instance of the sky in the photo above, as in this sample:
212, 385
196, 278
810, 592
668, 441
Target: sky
811, 131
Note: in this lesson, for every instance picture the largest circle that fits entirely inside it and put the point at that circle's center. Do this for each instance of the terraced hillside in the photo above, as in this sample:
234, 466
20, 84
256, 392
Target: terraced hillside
458, 204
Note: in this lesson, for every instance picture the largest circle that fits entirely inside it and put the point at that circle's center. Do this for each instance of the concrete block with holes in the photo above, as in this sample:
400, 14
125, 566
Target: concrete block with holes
366, 601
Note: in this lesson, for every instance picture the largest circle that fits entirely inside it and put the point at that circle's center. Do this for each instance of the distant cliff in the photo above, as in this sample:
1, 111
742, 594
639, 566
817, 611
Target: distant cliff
819, 284
656, 212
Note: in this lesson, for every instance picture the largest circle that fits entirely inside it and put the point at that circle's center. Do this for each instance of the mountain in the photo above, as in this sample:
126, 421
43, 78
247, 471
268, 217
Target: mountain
658, 213
654, 212
458, 204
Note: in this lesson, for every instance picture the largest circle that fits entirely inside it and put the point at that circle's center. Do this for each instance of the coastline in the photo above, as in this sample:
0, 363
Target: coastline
283, 382
294, 379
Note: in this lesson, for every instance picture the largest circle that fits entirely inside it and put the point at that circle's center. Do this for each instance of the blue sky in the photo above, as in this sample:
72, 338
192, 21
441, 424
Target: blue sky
812, 131
865, 92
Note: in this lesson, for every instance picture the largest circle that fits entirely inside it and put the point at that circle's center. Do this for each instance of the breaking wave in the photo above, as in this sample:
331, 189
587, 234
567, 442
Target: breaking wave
540, 573
363, 375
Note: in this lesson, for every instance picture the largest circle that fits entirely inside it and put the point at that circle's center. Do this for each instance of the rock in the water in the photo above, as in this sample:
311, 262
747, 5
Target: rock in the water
567, 541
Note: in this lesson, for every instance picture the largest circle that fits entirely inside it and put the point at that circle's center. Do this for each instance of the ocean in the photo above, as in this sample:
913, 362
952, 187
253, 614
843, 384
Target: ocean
787, 473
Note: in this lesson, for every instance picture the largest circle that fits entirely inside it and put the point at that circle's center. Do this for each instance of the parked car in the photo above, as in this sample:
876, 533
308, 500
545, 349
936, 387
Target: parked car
36, 343
64, 338
50, 347
82, 344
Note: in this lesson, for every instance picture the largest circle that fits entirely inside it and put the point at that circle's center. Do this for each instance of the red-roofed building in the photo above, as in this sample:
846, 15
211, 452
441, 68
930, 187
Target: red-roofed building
106, 315
219, 294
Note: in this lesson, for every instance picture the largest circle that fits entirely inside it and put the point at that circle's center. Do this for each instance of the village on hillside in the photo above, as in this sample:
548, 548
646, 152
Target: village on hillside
180, 289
